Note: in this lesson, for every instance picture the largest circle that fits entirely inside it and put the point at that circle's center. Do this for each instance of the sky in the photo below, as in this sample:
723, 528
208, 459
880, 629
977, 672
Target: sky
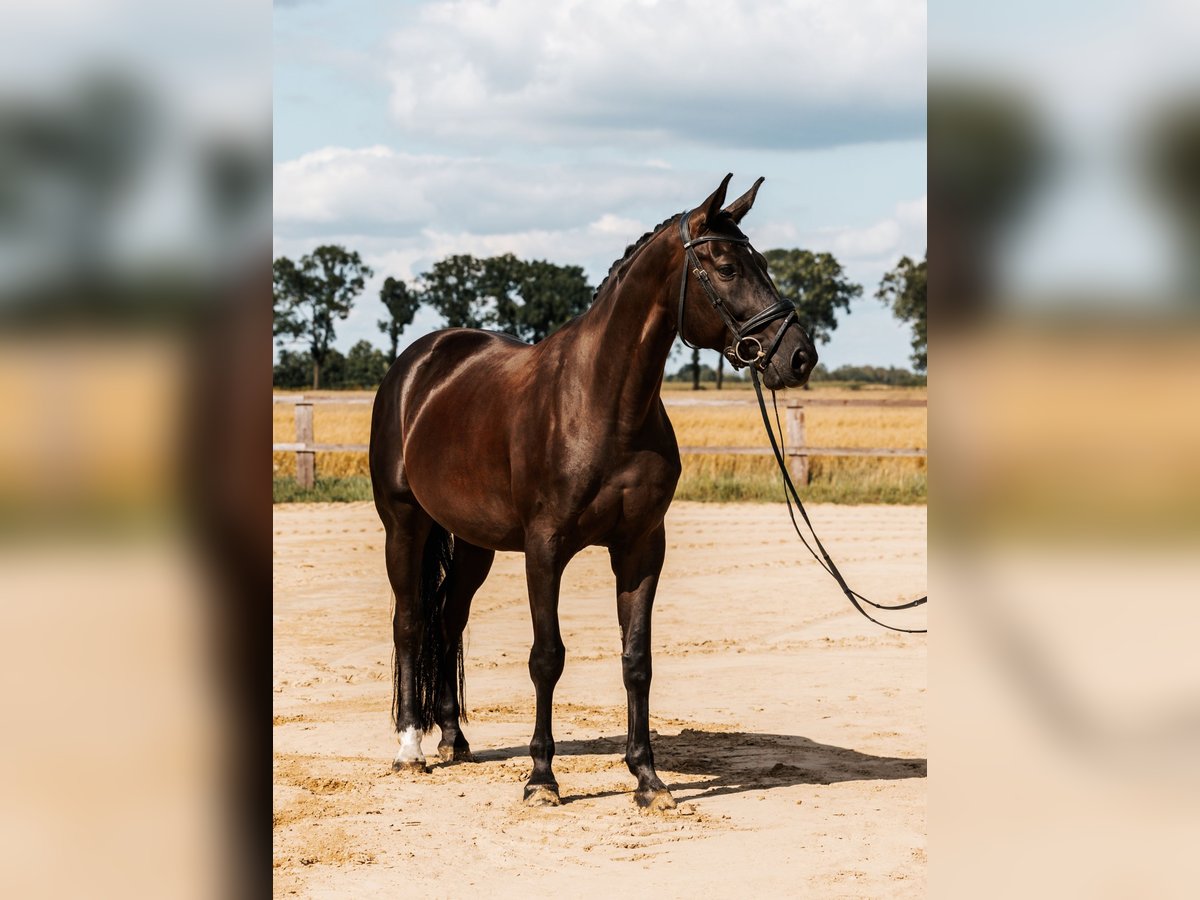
563, 131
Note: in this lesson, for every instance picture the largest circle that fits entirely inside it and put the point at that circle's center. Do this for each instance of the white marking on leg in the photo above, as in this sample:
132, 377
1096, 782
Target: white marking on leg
410, 746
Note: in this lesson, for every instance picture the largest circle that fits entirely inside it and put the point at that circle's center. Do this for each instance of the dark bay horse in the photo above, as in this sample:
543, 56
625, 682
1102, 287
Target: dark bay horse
480, 443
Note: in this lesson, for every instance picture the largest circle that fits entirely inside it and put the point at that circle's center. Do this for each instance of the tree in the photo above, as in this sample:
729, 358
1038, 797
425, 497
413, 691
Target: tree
686, 373
459, 288
869, 375
551, 296
695, 368
310, 296
529, 300
365, 366
402, 305
905, 288
333, 370
294, 370
815, 283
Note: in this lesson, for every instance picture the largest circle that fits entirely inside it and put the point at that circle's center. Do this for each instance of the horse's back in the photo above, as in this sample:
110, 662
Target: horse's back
443, 358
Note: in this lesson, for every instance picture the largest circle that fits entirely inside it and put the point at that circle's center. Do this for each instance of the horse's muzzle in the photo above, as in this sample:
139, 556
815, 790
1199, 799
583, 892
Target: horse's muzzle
802, 363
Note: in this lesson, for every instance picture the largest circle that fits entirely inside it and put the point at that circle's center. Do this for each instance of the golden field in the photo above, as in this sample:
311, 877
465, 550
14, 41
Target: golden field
705, 477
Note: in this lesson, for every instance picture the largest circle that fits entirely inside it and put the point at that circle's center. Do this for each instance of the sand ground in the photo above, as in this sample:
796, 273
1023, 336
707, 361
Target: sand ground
791, 731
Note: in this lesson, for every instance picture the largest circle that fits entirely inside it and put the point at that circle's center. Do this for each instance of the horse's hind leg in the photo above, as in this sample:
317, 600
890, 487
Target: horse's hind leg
470, 567
408, 528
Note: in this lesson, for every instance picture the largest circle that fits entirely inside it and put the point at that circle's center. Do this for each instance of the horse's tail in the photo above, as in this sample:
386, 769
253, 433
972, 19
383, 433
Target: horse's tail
431, 650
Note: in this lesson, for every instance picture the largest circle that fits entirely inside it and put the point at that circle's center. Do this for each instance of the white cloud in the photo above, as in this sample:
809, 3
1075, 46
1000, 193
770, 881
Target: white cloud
772, 234
594, 246
791, 73
880, 242
336, 184
377, 189
874, 240
915, 213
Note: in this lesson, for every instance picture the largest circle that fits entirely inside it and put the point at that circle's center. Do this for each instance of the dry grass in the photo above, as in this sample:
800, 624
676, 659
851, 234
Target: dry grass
835, 479
332, 424
705, 477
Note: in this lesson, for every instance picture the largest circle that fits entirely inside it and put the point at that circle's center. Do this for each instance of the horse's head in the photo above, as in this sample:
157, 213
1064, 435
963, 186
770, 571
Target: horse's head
727, 301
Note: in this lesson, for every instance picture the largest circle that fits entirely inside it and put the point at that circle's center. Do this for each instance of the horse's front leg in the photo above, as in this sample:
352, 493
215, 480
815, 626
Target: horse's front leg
637, 566
543, 570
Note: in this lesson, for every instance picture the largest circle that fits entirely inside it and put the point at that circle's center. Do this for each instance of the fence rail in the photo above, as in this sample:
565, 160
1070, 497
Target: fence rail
798, 451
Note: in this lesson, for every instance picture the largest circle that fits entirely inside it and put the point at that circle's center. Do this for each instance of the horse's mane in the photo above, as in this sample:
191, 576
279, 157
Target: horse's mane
632, 249
722, 219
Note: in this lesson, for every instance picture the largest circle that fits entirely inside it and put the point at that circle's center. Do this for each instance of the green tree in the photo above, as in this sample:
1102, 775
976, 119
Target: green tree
333, 370
310, 296
815, 283
869, 375
460, 288
402, 305
365, 366
294, 370
551, 296
687, 372
528, 300
905, 289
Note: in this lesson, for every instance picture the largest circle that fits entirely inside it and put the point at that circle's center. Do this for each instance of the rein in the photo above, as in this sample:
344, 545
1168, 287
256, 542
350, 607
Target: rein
757, 362
824, 559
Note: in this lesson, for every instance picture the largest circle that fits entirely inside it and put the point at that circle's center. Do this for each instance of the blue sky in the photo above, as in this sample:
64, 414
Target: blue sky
408, 131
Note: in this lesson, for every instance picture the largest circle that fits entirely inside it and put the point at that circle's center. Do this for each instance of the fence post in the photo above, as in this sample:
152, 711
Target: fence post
305, 459
797, 465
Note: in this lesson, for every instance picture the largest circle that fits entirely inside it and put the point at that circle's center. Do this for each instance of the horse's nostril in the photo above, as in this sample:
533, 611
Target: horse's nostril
799, 360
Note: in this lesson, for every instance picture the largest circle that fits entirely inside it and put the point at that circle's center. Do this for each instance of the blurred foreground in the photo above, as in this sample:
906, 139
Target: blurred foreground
134, 533
1065, 512
1064, 535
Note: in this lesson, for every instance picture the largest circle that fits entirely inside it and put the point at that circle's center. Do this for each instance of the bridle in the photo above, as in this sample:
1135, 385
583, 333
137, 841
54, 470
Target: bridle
745, 350
757, 360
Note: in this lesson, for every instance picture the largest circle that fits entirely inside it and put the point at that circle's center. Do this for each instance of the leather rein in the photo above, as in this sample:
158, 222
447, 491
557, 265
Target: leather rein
756, 359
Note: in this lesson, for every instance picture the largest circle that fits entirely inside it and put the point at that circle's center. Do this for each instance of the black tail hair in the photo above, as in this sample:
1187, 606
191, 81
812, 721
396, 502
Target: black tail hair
431, 650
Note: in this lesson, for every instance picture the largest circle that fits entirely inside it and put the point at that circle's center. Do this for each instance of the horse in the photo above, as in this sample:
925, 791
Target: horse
480, 442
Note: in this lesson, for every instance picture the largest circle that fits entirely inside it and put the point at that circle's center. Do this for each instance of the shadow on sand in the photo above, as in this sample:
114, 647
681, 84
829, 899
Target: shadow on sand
736, 761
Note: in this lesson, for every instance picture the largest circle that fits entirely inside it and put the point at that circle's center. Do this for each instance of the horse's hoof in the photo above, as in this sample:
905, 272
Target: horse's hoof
409, 767
541, 795
450, 753
654, 801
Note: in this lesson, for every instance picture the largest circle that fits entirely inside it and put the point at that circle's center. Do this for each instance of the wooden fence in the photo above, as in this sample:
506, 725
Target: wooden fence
798, 451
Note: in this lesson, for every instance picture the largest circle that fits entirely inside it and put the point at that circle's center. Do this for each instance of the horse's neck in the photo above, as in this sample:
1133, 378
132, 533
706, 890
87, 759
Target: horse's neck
631, 329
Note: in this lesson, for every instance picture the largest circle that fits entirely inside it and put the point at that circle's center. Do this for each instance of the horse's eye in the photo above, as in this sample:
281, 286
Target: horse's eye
727, 271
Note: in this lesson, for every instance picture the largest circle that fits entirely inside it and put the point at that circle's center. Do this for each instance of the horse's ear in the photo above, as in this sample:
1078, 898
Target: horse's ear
739, 207
712, 206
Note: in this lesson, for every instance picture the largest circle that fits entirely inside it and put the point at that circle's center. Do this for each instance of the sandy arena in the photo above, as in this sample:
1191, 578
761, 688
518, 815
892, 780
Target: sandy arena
790, 730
